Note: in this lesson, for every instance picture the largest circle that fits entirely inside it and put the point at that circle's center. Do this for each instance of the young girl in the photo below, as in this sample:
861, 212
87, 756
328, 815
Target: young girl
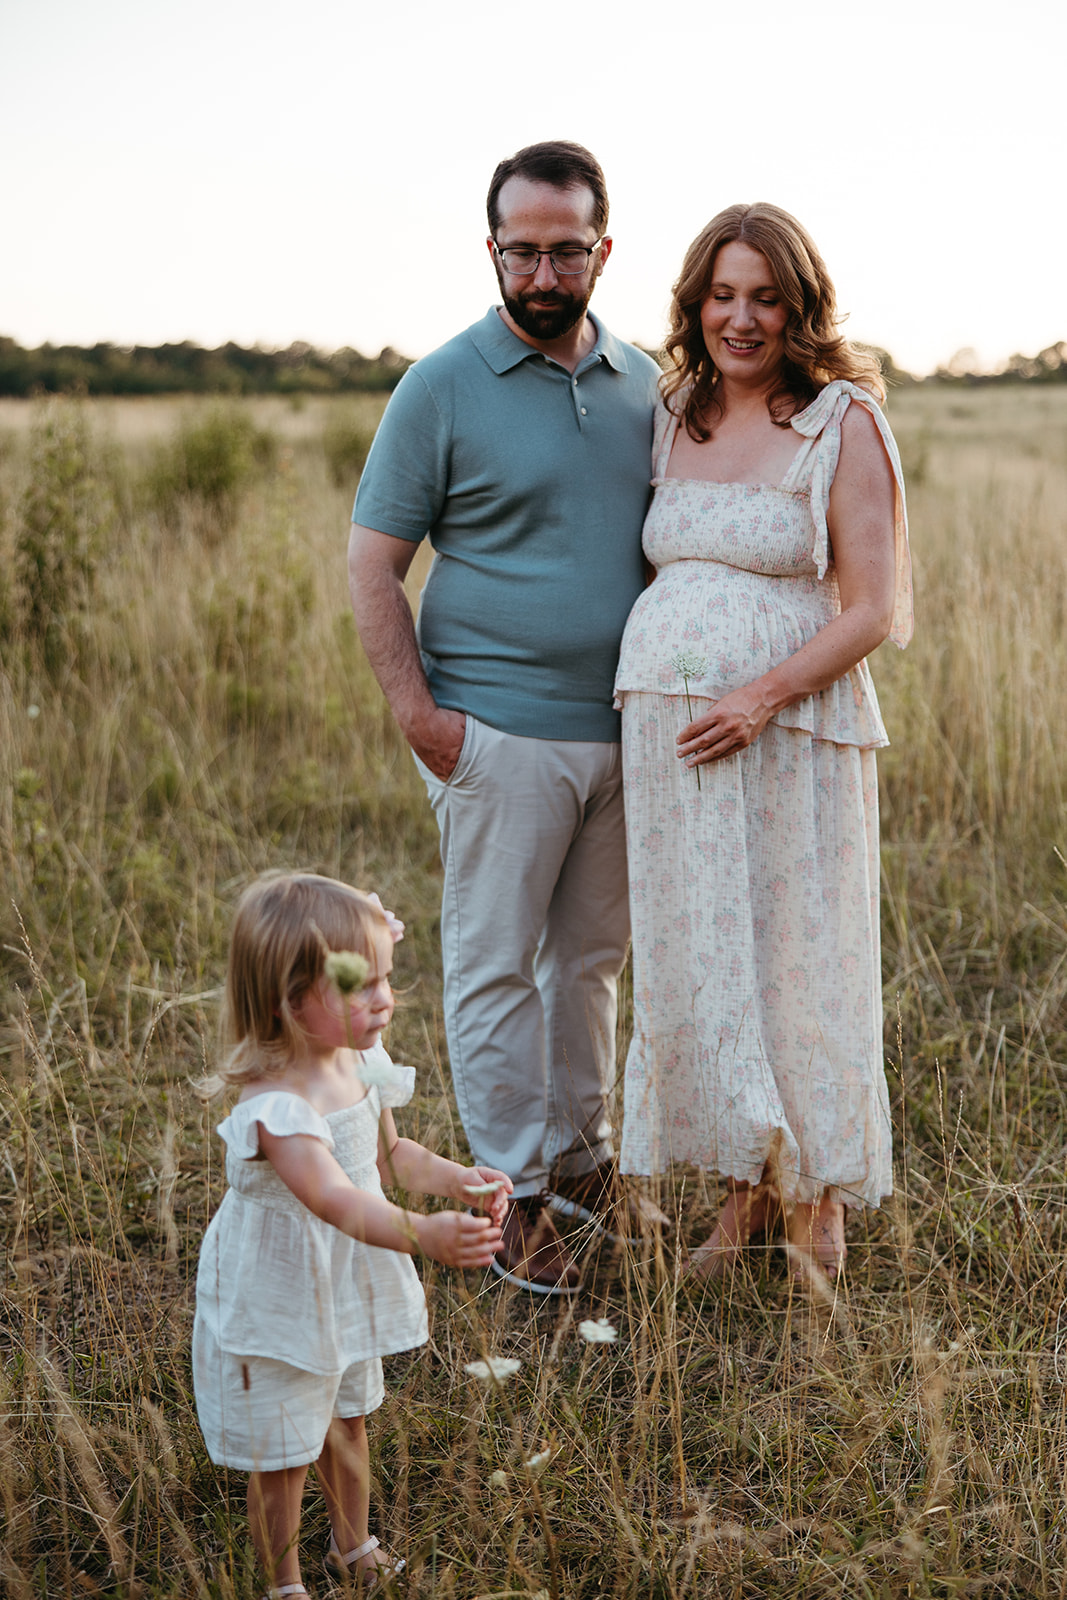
305, 1280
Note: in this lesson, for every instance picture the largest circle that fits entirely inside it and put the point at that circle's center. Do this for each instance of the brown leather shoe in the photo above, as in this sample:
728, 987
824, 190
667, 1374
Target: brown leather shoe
531, 1253
604, 1198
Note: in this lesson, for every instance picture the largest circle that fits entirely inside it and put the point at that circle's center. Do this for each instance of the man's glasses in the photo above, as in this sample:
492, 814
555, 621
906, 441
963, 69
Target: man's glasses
567, 261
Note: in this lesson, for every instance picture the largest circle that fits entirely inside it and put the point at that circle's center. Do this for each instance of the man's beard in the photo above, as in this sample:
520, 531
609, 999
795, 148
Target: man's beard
549, 322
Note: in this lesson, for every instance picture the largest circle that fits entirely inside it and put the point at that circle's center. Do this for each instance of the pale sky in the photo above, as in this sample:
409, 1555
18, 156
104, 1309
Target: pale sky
275, 171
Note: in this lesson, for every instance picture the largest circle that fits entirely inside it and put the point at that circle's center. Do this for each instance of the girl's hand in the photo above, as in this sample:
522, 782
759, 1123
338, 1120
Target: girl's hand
494, 1204
457, 1239
731, 725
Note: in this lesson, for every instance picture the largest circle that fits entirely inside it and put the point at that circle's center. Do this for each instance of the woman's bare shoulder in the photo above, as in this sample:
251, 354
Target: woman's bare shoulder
862, 445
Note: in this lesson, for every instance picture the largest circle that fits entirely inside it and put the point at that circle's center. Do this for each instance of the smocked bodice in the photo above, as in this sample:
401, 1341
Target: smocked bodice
745, 577
353, 1140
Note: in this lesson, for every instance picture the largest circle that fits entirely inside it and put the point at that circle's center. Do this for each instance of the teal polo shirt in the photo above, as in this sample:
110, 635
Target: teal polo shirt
531, 484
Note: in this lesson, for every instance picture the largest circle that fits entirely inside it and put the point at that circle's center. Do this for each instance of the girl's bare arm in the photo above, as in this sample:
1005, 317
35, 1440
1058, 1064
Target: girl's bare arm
319, 1182
411, 1165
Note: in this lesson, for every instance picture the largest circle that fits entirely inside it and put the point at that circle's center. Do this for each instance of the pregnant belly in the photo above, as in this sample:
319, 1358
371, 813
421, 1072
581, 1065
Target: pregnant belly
726, 626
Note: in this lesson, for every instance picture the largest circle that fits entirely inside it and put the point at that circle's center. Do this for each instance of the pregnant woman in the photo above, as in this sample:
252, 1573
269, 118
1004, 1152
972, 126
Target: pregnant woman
778, 535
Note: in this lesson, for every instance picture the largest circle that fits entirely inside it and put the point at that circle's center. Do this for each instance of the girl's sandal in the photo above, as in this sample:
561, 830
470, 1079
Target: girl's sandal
284, 1590
369, 1579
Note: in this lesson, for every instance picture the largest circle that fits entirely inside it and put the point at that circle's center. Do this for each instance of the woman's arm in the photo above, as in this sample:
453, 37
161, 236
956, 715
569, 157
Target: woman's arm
860, 520
320, 1182
419, 1170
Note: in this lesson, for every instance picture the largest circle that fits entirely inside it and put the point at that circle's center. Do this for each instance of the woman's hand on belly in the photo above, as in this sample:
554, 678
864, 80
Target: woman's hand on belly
731, 725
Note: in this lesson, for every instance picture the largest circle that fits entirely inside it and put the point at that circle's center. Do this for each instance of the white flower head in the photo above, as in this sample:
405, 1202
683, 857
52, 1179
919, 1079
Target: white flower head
537, 1464
688, 664
496, 1370
498, 1479
347, 970
598, 1332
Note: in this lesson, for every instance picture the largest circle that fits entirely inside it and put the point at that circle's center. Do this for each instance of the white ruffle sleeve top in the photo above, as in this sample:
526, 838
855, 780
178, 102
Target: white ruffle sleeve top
274, 1280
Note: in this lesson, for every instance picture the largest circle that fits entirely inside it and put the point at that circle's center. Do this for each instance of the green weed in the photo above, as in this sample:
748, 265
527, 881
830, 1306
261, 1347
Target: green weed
65, 514
206, 466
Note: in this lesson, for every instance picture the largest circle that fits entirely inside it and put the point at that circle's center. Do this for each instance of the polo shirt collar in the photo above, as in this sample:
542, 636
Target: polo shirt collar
501, 349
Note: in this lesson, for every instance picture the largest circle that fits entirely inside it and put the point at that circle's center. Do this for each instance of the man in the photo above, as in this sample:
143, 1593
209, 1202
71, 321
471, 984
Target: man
521, 449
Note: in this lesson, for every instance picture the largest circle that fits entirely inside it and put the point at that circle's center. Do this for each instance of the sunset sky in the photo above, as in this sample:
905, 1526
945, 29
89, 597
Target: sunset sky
221, 170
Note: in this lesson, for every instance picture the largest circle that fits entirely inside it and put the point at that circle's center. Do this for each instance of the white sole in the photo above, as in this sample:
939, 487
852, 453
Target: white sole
528, 1283
571, 1208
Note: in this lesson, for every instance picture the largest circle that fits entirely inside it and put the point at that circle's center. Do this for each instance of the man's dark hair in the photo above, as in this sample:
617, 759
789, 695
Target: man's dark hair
560, 163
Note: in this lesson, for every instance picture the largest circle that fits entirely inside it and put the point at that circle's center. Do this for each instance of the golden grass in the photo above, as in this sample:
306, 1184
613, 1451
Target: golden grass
904, 1435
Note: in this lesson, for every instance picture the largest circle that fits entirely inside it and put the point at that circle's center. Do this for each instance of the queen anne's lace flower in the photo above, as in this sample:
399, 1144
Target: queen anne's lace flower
688, 664
495, 1370
598, 1332
347, 970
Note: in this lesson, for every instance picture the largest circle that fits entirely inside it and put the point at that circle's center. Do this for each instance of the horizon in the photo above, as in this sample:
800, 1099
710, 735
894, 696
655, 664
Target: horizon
958, 365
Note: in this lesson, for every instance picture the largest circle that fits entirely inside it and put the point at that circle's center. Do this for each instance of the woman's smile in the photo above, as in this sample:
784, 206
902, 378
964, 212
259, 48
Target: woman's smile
743, 317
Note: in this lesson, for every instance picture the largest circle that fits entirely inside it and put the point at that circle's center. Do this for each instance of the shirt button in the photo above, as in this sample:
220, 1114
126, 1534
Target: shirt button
584, 412
576, 383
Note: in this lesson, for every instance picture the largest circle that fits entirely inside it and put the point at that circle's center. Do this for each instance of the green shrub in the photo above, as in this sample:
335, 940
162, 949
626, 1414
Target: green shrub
346, 441
63, 516
207, 466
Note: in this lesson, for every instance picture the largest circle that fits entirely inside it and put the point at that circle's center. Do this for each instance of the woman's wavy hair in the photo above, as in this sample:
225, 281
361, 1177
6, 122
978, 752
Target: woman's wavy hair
815, 353
285, 926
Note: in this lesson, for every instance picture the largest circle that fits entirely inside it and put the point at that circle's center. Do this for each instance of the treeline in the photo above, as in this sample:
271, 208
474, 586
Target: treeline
187, 368
1048, 366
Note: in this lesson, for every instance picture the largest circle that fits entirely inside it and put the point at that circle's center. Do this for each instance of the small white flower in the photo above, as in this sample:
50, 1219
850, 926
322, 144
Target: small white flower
498, 1479
33, 711
484, 1188
537, 1464
688, 664
347, 970
495, 1370
598, 1332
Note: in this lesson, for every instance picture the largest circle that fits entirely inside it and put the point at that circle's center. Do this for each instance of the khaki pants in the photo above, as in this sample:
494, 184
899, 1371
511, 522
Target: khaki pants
534, 928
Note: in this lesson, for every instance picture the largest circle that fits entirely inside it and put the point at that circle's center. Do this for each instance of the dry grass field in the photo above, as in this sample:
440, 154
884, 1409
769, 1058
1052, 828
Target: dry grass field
183, 702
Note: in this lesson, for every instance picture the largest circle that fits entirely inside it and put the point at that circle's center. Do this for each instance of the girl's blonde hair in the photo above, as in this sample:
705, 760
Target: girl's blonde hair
815, 353
286, 925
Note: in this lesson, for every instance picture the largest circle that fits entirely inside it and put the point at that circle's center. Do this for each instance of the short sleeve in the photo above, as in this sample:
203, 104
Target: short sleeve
820, 425
280, 1112
405, 481
395, 1085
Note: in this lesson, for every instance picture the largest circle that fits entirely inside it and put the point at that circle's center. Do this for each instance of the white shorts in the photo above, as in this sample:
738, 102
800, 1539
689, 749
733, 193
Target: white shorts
260, 1415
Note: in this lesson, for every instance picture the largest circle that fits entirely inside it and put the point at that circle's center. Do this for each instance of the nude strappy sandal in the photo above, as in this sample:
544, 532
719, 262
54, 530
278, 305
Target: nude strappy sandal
369, 1579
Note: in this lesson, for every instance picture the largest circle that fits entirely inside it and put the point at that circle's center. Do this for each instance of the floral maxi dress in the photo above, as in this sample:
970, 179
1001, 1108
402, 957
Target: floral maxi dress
754, 895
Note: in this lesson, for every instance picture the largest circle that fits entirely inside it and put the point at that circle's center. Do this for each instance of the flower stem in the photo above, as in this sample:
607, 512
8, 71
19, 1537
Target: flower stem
689, 704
